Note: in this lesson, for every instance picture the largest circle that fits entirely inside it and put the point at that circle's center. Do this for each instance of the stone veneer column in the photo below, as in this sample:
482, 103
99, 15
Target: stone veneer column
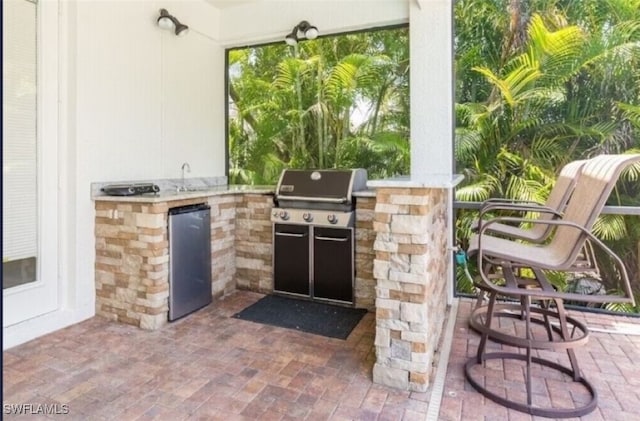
223, 253
411, 267
132, 263
365, 284
253, 243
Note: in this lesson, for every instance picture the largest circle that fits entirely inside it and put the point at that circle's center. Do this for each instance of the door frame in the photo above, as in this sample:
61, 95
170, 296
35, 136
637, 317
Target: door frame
34, 299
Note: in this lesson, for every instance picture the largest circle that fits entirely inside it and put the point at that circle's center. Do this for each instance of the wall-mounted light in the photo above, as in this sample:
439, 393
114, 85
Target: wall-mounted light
302, 30
167, 21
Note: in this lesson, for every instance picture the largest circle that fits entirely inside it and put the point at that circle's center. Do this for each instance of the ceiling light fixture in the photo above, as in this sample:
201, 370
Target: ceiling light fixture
301, 31
167, 21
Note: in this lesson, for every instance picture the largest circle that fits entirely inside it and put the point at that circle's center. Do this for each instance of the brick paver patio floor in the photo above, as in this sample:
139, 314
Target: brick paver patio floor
211, 366
610, 361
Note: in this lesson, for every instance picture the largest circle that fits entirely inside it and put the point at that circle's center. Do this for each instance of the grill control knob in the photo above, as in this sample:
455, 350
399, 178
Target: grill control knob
275, 213
307, 216
284, 215
332, 219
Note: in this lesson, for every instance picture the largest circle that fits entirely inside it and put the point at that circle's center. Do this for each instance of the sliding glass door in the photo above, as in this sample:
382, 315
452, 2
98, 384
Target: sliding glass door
29, 160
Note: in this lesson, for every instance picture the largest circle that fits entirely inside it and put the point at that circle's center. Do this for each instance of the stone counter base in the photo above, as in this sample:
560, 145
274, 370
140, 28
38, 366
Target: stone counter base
411, 270
132, 258
401, 259
132, 254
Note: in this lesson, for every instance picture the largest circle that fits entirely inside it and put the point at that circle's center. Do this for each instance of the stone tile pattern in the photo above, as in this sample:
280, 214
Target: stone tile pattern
223, 233
132, 258
211, 366
208, 366
365, 283
132, 254
254, 268
411, 270
609, 361
254, 247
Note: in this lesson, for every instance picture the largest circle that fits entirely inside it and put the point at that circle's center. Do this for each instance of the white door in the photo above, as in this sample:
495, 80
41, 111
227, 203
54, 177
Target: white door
29, 159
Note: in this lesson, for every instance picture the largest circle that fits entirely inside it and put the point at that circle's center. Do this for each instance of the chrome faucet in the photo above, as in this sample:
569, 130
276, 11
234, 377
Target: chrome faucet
185, 168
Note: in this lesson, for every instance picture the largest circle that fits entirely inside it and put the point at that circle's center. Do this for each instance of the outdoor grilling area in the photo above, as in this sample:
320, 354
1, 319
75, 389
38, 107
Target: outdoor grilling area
168, 287
383, 246
329, 236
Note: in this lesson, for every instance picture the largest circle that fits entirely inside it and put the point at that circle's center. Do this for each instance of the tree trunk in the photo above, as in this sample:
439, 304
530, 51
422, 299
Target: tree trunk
320, 117
246, 116
301, 140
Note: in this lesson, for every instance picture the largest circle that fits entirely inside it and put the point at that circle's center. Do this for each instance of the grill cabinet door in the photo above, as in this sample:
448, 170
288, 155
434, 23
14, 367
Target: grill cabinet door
291, 258
333, 264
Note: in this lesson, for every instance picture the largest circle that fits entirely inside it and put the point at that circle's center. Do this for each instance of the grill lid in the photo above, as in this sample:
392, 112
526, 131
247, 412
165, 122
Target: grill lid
327, 186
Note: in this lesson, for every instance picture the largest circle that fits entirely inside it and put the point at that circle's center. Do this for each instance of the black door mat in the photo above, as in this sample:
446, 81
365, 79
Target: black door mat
307, 316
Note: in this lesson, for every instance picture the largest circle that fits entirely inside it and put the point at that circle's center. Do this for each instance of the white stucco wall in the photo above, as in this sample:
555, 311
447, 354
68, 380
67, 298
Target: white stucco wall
147, 100
135, 102
271, 20
431, 87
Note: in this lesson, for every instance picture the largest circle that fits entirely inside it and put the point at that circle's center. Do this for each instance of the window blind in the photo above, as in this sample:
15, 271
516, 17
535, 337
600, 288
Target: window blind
19, 135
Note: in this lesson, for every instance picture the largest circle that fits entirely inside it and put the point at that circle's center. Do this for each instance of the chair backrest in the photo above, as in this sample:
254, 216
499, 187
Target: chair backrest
592, 190
559, 195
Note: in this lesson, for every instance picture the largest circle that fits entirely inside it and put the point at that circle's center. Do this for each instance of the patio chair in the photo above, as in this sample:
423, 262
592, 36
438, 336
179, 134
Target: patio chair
551, 209
511, 268
537, 233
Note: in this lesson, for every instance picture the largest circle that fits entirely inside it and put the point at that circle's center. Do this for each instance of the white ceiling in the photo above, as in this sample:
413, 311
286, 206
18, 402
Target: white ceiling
222, 4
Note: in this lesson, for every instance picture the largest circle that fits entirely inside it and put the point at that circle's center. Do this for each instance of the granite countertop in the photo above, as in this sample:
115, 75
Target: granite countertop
365, 193
167, 195
434, 181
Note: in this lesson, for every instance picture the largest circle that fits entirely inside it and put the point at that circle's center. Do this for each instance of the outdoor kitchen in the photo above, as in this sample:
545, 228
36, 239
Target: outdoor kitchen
391, 255
128, 116
132, 249
252, 209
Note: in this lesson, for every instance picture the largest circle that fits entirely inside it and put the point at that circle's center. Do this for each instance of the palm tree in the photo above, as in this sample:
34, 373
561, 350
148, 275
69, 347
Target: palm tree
332, 102
567, 92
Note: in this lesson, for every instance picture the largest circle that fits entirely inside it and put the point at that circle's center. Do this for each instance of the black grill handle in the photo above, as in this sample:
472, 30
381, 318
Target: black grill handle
338, 239
291, 234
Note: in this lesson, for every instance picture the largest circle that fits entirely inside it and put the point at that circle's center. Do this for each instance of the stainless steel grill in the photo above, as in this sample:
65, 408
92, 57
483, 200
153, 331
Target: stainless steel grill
318, 197
313, 233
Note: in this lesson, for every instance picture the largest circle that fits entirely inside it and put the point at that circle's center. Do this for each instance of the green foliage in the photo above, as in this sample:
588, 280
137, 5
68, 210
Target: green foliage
541, 83
624, 307
333, 102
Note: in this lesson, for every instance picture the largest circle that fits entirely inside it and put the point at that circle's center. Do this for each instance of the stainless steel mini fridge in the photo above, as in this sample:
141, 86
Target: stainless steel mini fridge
189, 259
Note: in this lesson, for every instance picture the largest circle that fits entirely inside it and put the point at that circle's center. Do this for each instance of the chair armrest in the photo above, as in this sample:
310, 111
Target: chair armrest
628, 298
531, 207
505, 201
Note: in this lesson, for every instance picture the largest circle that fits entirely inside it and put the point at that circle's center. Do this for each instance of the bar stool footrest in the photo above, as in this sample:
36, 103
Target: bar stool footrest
528, 407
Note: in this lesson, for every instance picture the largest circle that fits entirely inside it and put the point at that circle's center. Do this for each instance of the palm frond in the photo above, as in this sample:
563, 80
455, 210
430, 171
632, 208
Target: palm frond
512, 161
610, 227
524, 189
477, 191
631, 173
620, 308
630, 112
557, 52
287, 71
467, 143
385, 142
546, 149
350, 73
513, 83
